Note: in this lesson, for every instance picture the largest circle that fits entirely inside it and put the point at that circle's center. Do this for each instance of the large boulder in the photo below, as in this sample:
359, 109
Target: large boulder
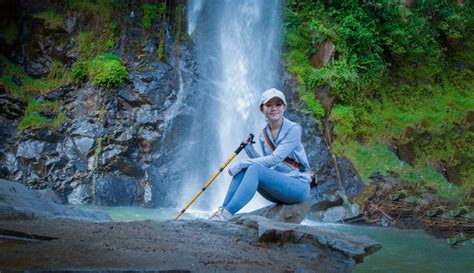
294, 213
20, 203
286, 234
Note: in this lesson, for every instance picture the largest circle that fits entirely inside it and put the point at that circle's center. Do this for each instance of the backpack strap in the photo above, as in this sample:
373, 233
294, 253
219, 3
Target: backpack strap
290, 162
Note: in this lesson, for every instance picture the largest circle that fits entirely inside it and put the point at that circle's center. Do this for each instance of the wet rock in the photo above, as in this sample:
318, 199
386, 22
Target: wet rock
20, 203
117, 190
154, 82
80, 195
12, 109
284, 233
284, 213
341, 213
31, 149
84, 144
147, 115
132, 98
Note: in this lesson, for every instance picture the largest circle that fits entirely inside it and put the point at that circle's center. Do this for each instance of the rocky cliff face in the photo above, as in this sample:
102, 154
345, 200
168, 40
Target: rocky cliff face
117, 144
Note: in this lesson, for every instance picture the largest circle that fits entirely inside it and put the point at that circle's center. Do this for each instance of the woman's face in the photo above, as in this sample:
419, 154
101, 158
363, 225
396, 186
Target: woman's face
273, 109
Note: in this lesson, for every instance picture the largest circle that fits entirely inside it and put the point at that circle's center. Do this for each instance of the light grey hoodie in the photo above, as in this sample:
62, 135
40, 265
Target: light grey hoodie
287, 144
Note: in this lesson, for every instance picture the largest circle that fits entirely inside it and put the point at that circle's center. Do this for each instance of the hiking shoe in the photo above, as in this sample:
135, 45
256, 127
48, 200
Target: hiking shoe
221, 215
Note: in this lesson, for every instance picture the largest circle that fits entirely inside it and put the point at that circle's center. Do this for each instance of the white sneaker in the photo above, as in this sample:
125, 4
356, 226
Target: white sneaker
221, 215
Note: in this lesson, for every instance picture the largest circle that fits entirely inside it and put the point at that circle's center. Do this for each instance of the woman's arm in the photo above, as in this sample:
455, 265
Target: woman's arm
250, 151
289, 142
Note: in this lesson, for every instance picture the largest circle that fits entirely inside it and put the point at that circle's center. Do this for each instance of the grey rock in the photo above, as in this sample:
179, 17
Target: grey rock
84, 144
285, 233
283, 213
30, 149
146, 115
341, 213
20, 203
110, 154
149, 135
132, 97
84, 129
123, 134
117, 190
80, 195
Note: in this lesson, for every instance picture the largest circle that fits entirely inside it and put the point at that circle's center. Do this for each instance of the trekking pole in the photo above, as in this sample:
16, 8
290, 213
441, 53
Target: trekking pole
242, 145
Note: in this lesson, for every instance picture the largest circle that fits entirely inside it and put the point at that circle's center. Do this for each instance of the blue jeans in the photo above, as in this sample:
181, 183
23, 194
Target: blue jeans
274, 186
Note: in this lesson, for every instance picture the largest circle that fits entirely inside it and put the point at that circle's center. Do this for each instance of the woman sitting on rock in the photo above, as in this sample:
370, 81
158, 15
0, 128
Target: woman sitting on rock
282, 174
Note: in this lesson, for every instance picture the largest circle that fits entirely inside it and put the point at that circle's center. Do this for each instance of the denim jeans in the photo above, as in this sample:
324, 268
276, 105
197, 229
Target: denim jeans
273, 185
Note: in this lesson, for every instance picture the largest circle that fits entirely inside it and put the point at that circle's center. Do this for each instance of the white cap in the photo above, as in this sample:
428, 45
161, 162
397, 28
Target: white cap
270, 94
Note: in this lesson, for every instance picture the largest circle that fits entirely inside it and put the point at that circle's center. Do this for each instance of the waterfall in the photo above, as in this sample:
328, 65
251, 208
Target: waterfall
237, 46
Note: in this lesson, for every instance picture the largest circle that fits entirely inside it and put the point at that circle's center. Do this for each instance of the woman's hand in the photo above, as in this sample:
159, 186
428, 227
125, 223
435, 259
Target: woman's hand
247, 140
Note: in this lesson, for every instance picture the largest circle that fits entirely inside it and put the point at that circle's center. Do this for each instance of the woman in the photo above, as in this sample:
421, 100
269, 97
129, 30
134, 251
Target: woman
282, 174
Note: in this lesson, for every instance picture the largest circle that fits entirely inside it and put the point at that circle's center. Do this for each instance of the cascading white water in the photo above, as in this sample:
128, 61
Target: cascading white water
238, 46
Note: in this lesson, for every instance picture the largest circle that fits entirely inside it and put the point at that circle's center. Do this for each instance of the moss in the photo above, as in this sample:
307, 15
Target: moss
10, 34
377, 158
33, 119
57, 77
103, 70
149, 13
100, 35
86, 45
311, 102
52, 18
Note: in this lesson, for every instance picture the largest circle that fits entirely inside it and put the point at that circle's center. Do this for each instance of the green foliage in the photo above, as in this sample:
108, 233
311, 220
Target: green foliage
85, 45
10, 33
57, 77
107, 70
377, 158
150, 11
103, 70
52, 18
399, 74
373, 38
33, 118
79, 71
311, 102
99, 37
344, 122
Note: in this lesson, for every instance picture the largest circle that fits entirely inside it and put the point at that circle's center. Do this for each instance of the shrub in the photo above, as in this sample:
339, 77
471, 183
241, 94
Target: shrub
107, 70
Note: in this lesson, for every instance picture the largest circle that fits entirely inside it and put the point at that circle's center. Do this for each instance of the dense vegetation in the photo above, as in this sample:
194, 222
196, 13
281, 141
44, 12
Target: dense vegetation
401, 76
95, 64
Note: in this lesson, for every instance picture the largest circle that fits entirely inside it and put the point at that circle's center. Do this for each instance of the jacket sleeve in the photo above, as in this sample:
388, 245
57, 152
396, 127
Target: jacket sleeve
250, 151
289, 142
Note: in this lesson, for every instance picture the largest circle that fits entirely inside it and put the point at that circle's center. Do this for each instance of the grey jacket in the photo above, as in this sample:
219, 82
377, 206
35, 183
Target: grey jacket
287, 143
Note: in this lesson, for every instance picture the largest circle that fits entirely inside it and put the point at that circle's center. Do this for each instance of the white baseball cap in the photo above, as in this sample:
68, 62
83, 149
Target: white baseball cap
270, 94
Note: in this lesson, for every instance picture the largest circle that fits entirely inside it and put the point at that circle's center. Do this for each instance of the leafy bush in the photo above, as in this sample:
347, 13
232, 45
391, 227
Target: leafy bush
103, 70
396, 69
79, 71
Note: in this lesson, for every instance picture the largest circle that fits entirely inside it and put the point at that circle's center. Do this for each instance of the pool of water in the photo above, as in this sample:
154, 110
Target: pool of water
407, 251
412, 251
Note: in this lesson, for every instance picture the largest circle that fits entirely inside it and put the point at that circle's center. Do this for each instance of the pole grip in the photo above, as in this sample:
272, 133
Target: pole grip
243, 144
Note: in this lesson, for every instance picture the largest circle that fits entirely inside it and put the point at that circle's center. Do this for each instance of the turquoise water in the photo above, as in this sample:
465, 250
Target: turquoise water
407, 251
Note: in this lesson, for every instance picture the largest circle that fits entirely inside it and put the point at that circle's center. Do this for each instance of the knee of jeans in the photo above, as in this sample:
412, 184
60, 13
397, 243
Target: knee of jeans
254, 168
